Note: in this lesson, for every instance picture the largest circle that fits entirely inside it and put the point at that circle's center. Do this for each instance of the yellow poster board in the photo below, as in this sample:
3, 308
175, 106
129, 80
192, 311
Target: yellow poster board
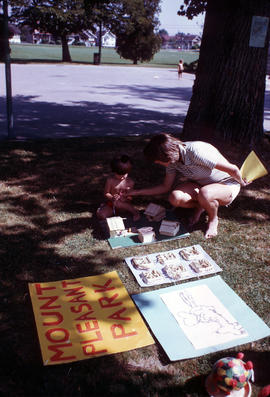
252, 168
85, 318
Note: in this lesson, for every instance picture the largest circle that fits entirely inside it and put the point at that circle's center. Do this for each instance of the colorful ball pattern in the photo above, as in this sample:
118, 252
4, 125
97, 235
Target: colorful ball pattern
230, 374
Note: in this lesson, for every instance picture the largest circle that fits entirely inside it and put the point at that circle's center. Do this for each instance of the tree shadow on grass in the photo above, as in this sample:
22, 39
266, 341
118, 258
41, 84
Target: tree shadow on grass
45, 213
49, 193
48, 196
252, 203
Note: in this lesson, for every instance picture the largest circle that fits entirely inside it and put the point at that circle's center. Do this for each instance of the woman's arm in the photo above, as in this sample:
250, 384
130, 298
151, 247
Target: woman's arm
155, 190
231, 169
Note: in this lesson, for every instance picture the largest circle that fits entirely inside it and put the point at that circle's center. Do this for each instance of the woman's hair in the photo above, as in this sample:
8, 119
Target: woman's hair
121, 165
162, 147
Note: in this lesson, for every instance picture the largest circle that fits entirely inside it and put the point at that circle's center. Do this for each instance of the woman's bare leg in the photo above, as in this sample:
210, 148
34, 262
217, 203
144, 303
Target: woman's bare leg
207, 198
211, 197
186, 196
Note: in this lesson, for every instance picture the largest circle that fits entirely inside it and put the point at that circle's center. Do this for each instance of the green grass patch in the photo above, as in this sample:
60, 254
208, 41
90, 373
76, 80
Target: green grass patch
49, 193
81, 54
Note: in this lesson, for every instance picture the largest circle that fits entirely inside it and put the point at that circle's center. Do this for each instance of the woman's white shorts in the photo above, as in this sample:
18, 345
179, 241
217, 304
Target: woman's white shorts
234, 186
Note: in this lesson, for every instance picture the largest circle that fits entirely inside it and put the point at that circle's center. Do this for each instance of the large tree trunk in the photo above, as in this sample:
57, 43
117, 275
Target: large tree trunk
65, 49
228, 93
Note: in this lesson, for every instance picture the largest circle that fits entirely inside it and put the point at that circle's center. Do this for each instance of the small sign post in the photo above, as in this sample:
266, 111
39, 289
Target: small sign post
259, 27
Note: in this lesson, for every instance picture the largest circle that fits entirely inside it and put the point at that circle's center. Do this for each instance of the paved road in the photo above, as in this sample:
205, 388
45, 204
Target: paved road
58, 101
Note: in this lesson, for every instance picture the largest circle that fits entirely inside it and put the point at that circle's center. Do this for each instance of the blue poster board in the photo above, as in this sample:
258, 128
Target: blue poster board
169, 333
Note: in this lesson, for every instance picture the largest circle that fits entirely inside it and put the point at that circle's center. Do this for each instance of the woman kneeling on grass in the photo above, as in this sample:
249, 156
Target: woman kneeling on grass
197, 176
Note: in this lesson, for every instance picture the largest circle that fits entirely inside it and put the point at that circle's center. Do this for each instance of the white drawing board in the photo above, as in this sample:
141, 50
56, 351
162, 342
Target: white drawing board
202, 317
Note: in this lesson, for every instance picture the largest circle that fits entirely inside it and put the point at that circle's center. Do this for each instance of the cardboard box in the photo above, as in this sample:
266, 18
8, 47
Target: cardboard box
155, 212
169, 228
115, 225
146, 235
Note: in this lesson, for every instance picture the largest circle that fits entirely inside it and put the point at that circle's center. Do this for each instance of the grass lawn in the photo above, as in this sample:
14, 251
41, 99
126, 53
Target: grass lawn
82, 54
49, 194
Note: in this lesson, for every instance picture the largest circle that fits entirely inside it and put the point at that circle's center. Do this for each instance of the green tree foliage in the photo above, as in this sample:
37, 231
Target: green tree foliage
102, 11
163, 32
228, 93
192, 8
103, 14
135, 29
164, 36
58, 17
4, 45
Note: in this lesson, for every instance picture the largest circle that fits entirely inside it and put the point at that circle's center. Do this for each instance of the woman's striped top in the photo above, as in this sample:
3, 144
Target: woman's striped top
199, 161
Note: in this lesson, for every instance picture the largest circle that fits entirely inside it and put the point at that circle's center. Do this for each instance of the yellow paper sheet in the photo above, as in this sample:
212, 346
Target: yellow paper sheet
252, 168
85, 318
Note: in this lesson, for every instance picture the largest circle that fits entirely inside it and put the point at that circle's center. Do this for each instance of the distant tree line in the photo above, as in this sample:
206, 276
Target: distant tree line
183, 41
134, 22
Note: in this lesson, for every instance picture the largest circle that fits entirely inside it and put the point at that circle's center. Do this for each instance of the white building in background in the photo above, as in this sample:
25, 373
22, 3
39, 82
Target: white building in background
86, 37
89, 38
16, 39
16, 34
108, 40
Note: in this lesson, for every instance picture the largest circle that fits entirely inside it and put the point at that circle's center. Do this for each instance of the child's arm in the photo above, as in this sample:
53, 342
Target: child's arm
108, 189
129, 186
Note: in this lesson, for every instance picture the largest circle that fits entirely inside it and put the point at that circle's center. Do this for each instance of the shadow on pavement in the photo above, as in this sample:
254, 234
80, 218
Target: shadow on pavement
48, 120
144, 111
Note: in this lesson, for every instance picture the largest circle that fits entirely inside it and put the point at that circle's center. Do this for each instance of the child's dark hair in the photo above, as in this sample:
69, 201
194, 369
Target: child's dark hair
162, 147
121, 165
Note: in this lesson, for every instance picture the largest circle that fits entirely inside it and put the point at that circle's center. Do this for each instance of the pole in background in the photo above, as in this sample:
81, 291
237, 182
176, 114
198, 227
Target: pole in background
8, 72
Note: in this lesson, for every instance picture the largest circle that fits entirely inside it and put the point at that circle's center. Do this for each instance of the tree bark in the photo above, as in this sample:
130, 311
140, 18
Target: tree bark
228, 93
65, 49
